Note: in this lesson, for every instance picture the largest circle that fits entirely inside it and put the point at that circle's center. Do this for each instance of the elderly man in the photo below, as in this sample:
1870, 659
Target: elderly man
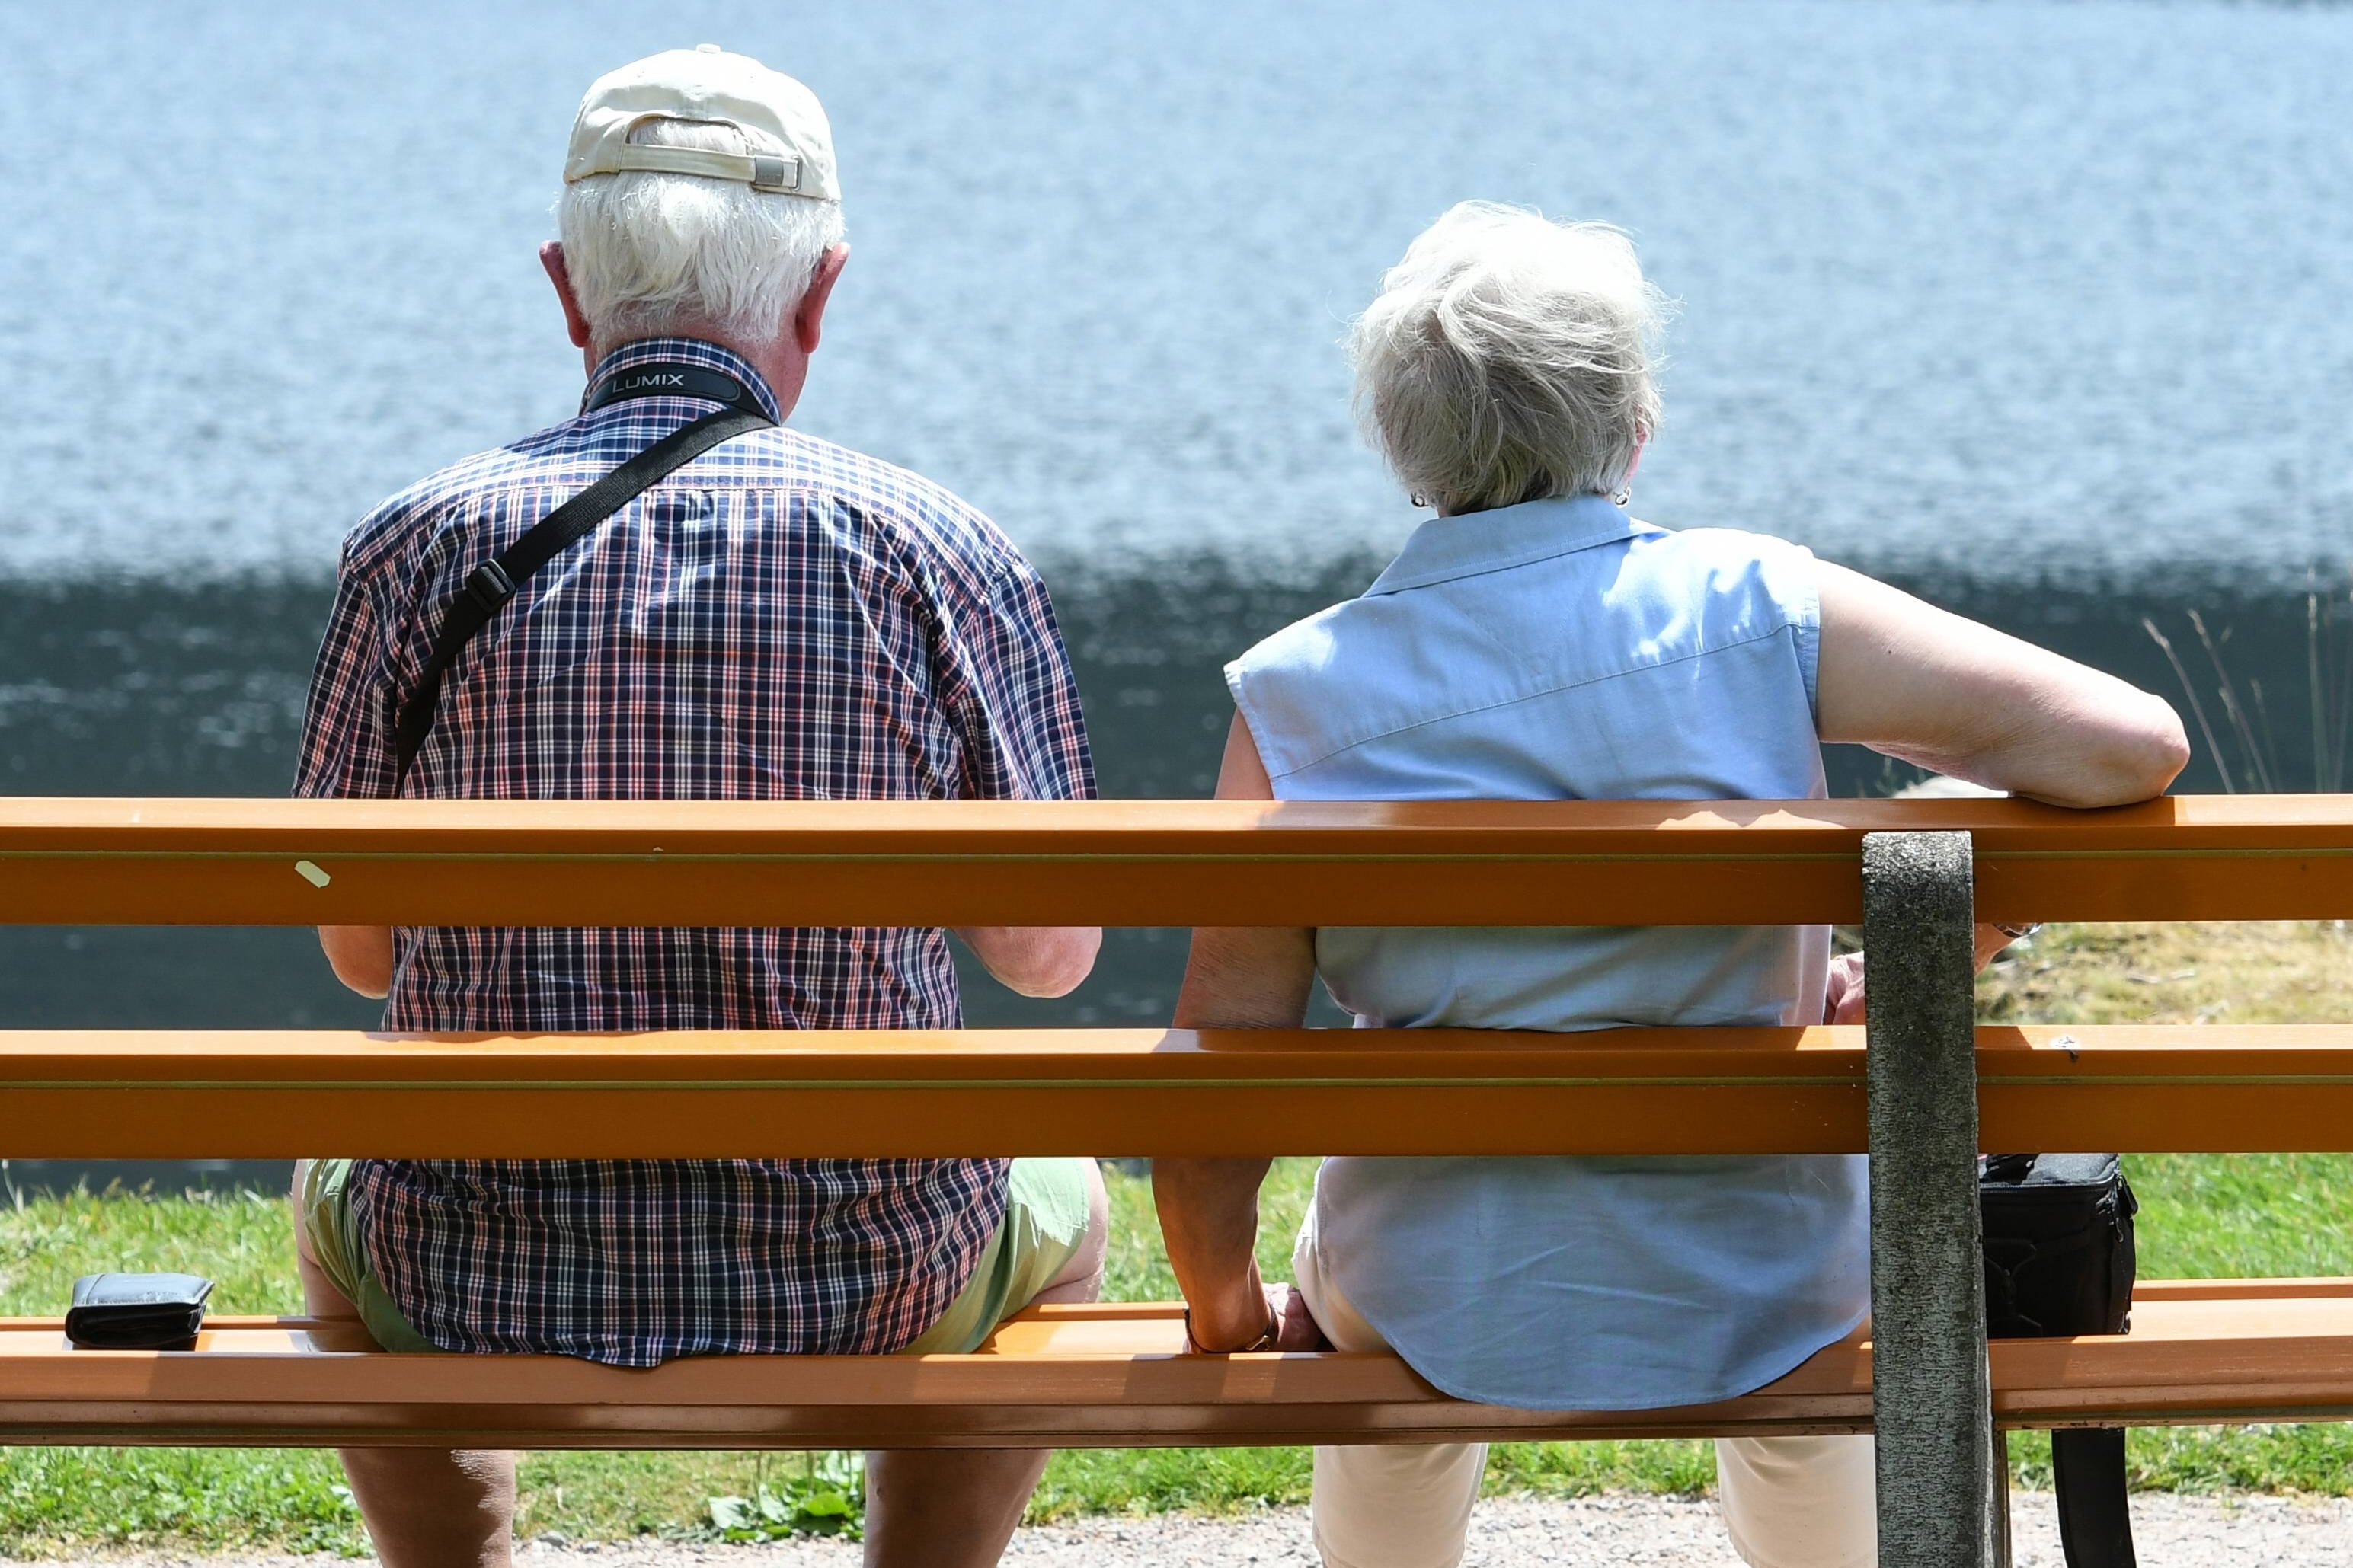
674, 596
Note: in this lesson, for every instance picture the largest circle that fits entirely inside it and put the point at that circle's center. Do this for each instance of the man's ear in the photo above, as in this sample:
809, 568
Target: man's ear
559, 272
809, 321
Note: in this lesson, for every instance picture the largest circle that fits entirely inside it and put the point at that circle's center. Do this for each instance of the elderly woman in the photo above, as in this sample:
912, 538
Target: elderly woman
1534, 641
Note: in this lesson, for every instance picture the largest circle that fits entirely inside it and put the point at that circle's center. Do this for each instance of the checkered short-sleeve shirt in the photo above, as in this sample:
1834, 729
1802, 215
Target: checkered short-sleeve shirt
779, 619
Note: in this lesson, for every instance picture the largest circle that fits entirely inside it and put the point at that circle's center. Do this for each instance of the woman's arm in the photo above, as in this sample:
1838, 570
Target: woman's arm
1238, 978
1902, 676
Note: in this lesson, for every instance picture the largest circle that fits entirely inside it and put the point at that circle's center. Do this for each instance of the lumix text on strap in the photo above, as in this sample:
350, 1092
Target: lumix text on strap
668, 379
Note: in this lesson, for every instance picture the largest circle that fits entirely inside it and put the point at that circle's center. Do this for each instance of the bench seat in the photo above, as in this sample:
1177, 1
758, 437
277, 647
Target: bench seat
1106, 1376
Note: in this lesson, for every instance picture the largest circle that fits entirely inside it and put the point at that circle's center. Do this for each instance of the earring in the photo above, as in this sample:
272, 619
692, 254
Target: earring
1625, 494
1418, 498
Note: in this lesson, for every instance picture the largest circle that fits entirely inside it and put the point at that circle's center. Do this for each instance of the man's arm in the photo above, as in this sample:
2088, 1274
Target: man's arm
1006, 679
346, 751
1241, 977
361, 957
1036, 960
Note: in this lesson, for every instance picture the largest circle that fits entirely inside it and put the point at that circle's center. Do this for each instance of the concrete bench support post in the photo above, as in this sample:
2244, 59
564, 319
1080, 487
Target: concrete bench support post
1932, 1397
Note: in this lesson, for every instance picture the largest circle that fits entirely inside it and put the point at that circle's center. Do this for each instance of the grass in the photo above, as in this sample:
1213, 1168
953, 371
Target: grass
2250, 757
2252, 1214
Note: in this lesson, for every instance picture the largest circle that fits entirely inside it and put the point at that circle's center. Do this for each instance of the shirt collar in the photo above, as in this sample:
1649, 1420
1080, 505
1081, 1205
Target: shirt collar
1448, 547
695, 351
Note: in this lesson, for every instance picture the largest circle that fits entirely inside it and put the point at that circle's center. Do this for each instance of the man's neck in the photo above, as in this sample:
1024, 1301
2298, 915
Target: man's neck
780, 362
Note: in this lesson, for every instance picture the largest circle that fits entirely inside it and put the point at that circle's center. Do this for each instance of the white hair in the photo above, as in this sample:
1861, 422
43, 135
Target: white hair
651, 251
1508, 358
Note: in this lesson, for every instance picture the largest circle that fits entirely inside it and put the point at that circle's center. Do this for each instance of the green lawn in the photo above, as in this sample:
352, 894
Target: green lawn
2275, 1214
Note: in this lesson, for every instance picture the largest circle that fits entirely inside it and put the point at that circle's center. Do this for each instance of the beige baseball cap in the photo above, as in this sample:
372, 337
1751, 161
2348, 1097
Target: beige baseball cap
783, 125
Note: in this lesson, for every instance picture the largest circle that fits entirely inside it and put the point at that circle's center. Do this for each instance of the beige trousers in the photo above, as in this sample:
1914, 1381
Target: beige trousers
1787, 1502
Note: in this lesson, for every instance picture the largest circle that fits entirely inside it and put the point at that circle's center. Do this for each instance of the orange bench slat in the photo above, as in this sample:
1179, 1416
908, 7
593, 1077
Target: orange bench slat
1109, 1376
1140, 863
69, 1094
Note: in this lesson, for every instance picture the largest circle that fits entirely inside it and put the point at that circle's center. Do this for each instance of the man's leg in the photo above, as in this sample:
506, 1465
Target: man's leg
424, 1508
957, 1509
1799, 1502
1403, 1505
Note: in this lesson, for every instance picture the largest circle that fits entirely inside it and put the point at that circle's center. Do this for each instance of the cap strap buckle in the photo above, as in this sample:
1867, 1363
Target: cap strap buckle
772, 173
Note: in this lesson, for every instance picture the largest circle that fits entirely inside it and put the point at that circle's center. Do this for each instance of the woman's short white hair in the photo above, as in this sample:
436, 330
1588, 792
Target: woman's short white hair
1509, 358
649, 252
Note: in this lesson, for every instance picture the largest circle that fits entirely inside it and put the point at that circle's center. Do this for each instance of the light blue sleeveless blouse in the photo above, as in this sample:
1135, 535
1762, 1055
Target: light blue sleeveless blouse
1559, 650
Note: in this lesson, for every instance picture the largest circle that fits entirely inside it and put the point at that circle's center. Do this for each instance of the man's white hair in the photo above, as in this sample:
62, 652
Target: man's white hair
1509, 358
649, 252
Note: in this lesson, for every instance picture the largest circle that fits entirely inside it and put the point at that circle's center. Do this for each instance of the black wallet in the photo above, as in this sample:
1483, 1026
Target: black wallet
137, 1312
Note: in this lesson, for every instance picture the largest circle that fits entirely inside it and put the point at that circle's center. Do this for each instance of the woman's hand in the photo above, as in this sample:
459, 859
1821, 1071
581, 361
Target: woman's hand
1299, 1331
1280, 1310
1842, 1002
1843, 999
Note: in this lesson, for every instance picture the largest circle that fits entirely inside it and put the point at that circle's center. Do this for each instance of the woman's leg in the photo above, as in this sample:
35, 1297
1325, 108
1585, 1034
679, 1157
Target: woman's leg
1799, 1502
1382, 1506
424, 1508
957, 1509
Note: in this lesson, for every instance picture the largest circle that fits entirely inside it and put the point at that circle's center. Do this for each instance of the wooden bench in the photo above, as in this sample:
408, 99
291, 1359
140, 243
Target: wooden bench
1109, 1376
2199, 1351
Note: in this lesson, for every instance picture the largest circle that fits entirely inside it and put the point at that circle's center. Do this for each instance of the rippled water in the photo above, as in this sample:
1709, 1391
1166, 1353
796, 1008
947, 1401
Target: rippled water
1993, 289
2042, 309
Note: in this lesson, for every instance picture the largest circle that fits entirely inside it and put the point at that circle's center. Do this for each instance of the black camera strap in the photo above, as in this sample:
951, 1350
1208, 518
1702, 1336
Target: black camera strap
2087, 1470
493, 583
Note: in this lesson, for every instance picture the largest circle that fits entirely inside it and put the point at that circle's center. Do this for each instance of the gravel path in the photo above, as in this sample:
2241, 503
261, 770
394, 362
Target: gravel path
1509, 1532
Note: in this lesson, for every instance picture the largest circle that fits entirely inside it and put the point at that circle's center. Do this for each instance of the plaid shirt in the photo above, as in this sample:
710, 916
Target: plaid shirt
779, 619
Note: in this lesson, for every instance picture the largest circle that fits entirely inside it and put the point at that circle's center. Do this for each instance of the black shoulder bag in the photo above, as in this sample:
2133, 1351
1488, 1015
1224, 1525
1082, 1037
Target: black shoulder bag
2059, 1261
494, 583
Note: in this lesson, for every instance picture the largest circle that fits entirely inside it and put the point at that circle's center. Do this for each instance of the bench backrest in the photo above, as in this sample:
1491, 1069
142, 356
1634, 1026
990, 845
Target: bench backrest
1916, 873
93, 1094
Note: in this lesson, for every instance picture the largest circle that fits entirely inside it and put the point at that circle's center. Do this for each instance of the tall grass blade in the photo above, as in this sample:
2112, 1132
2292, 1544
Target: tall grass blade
2341, 698
2263, 727
2312, 667
2232, 709
2197, 708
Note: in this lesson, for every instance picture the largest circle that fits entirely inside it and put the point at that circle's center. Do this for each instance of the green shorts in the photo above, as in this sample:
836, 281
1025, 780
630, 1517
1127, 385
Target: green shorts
1045, 1223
